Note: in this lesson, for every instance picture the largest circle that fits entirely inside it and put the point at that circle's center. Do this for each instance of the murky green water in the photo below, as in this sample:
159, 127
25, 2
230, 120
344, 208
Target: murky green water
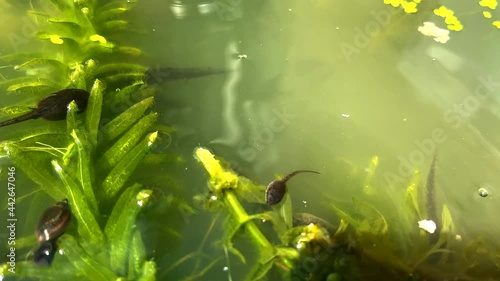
314, 84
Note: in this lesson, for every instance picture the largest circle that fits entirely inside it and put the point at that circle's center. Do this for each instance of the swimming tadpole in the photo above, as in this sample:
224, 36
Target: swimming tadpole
53, 107
276, 189
50, 227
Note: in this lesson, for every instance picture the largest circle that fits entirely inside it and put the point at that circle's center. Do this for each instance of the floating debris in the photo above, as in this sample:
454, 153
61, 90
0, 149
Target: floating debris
430, 29
427, 225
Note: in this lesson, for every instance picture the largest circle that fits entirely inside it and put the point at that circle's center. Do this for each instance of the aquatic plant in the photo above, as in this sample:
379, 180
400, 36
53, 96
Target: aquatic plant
366, 244
90, 161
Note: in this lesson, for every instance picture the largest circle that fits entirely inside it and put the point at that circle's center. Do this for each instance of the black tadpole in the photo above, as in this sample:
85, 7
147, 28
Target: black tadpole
53, 107
50, 227
53, 221
160, 75
44, 254
276, 189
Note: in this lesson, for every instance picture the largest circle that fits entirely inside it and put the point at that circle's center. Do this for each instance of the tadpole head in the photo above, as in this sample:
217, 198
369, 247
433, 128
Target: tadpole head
275, 192
55, 106
45, 253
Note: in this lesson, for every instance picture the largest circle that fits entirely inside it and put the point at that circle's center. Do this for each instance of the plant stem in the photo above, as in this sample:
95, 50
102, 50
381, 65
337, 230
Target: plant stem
222, 181
242, 217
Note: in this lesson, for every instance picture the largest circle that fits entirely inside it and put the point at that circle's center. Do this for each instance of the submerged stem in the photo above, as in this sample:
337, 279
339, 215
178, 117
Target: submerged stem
242, 217
223, 181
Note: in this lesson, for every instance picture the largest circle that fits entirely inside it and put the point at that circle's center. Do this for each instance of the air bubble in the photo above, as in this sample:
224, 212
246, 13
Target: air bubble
483, 192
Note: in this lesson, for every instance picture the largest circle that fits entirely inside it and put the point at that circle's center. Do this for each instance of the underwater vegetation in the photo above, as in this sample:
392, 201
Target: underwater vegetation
107, 132
365, 243
87, 165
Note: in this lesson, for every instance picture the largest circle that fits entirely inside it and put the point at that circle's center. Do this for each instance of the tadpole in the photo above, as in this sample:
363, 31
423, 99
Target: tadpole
53, 107
276, 189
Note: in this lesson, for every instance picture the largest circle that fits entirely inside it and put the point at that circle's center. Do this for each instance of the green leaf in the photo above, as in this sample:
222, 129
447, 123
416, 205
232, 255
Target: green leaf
72, 121
286, 211
56, 137
111, 13
121, 78
56, 65
280, 226
94, 108
229, 247
35, 85
126, 143
131, 51
31, 271
15, 110
123, 121
448, 225
128, 195
84, 264
116, 68
377, 222
137, 256
116, 25
77, 131
60, 37
66, 27
148, 271
411, 195
368, 189
22, 57
87, 224
32, 165
124, 169
84, 173
124, 96
121, 225
352, 221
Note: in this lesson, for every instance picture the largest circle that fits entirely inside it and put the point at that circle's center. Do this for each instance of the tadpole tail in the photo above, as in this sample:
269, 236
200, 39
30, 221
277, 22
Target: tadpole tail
306, 219
171, 73
287, 177
30, 115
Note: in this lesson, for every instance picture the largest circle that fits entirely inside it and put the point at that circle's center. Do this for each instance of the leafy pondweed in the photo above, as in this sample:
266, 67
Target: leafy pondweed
89, 162
367, 240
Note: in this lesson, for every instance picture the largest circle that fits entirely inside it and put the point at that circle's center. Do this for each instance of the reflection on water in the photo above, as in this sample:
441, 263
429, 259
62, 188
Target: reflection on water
232, 129
315, 84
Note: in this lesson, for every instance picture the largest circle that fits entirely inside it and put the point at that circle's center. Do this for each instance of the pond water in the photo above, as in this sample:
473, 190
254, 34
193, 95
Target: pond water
312, 85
